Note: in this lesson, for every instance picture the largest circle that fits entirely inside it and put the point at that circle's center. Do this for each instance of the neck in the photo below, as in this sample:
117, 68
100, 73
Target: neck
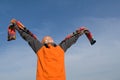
47, 45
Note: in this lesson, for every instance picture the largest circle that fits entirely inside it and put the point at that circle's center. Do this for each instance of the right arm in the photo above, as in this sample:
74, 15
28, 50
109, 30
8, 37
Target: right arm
69, 41
72, 38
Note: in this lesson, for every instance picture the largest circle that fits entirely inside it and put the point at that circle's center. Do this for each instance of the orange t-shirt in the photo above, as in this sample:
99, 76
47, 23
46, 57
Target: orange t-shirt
50, 63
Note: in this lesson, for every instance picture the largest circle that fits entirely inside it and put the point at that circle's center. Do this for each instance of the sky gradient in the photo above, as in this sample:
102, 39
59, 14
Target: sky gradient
58, 18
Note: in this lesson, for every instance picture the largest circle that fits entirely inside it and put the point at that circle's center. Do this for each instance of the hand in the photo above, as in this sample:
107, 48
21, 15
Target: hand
81, 30
13, 21
16, 24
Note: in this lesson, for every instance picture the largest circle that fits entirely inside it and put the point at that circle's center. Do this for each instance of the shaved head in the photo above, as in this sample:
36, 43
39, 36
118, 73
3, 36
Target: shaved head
47, 39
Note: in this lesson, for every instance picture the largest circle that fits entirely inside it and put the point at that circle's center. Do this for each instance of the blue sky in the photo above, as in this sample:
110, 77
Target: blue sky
58, 18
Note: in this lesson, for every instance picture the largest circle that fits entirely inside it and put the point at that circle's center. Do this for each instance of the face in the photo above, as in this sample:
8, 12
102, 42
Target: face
47, 39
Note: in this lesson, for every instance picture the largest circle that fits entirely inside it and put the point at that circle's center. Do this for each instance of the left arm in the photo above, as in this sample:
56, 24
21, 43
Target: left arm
35, 44
28, 36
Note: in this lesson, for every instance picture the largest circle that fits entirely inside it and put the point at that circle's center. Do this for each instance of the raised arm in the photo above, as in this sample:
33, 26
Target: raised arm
28, 36
72, 38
